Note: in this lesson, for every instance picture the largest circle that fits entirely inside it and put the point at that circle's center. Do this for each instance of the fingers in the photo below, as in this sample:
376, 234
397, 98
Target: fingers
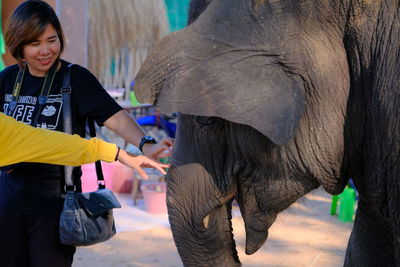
132, 161
161, 170
164, 154
137, 162
165, 149
161, 151
141, 172
159, 166
167, 141
156, 151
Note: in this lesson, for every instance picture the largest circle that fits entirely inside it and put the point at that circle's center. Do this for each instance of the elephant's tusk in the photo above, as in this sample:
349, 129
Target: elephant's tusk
206, 220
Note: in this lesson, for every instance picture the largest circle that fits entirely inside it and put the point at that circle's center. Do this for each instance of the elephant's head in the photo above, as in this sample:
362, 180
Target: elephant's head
275, 99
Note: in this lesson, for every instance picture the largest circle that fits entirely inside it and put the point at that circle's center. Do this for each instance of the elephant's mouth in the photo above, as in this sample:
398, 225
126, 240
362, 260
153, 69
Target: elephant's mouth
200, 211
256, 232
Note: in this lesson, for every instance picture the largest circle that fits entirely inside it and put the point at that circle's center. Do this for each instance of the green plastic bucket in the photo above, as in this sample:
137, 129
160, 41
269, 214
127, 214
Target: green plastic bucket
133, 99
347, 201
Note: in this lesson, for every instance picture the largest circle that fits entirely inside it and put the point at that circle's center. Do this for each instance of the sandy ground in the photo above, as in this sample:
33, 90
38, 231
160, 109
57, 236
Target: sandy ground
304, 235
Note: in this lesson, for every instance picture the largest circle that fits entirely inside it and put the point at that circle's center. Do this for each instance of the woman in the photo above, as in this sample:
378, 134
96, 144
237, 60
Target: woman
23, 143
30, 202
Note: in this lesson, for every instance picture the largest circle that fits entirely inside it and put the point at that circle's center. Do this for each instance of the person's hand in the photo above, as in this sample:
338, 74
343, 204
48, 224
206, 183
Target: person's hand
138, 162
159, 150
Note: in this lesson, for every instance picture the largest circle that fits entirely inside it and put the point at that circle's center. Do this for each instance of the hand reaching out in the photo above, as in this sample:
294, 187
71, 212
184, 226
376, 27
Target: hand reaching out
139, 162
159, 150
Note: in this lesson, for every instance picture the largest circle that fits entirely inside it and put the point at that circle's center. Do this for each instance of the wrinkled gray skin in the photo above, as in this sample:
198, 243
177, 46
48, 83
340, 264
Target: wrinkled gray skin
277, 98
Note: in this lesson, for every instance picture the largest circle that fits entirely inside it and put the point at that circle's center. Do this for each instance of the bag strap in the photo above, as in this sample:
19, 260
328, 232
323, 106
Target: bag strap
67, 120
100, 178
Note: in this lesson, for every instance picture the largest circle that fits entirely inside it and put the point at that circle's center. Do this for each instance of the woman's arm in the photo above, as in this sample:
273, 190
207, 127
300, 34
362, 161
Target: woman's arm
126, 127
23, 143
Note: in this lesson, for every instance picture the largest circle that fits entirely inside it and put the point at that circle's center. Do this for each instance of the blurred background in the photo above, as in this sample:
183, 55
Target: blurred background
110, 37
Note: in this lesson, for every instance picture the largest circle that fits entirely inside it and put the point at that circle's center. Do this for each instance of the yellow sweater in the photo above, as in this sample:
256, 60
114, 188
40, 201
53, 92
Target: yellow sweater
23, 143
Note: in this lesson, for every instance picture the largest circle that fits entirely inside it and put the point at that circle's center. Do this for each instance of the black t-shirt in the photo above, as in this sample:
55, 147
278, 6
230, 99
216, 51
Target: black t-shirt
35, 188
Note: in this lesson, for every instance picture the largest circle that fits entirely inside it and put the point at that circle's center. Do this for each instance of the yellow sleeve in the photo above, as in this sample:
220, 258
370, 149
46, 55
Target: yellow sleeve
23, 143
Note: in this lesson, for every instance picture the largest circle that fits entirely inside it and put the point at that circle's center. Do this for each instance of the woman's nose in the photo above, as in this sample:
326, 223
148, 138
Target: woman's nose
44, 49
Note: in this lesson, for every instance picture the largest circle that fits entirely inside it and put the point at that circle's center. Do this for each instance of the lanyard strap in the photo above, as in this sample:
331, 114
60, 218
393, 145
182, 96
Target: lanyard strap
48, 82
17, 88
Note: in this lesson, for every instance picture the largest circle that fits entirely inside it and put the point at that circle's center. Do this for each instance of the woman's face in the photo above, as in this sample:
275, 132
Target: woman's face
41, 54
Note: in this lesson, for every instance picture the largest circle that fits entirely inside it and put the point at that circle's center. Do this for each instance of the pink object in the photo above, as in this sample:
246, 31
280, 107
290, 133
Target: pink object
89, 177
154, 196
122, 178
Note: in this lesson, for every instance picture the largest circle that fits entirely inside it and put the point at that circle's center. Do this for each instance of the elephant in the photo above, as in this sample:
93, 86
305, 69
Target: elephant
275, 99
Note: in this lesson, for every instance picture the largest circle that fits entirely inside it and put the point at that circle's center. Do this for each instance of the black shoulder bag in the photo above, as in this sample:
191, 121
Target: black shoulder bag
87, 218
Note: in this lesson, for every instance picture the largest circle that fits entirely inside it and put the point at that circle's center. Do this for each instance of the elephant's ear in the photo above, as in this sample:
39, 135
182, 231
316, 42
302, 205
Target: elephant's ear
238, 61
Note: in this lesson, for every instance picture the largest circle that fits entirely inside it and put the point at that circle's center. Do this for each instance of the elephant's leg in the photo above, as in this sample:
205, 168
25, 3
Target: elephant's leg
371, 241
199, 196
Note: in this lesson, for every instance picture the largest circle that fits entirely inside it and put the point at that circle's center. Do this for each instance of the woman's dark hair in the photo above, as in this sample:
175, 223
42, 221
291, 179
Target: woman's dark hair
29, 20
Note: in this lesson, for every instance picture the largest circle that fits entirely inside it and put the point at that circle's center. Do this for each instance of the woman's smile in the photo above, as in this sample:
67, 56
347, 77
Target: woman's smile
40, 54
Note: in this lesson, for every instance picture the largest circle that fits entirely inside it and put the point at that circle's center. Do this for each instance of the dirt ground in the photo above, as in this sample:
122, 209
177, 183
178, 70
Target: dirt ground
304, 235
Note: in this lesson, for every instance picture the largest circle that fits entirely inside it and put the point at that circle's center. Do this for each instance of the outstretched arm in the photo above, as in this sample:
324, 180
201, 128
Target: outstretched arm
126, 127
23, 143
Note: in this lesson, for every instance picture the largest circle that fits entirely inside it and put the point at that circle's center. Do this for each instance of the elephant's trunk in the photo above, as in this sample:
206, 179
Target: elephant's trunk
200, 222
199, 195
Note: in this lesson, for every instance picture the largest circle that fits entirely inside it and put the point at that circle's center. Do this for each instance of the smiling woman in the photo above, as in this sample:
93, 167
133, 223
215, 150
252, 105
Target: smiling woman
43, 40
41, 53
32, 191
